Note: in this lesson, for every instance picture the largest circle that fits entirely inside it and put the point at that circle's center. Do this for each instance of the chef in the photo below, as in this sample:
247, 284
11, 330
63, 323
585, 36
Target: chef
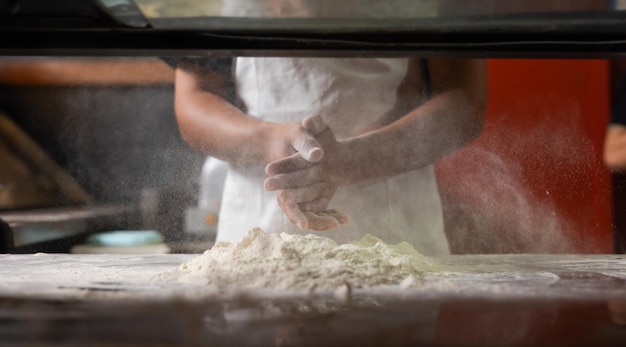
337, 146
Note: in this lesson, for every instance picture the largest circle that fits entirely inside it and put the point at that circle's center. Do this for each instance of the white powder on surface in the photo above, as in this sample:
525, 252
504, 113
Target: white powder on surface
284, 261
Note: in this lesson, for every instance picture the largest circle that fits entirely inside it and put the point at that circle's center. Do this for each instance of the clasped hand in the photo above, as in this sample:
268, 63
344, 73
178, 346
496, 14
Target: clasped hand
305, 184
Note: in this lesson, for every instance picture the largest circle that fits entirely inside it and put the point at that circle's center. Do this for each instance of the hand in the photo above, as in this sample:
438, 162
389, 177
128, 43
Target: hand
286, 139
304, 187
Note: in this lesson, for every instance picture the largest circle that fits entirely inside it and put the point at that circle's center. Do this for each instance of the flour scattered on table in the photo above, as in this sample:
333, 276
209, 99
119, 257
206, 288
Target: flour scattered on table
284, 261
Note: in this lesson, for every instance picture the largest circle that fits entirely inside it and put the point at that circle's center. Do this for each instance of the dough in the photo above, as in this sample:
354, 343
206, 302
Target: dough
285, 261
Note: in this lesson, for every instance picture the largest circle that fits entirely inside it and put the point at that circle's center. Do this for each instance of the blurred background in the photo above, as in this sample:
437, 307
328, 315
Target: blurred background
109, 124
90, 144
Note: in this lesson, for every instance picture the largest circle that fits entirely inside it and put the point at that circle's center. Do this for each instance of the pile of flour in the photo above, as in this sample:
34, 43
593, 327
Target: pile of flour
285, 261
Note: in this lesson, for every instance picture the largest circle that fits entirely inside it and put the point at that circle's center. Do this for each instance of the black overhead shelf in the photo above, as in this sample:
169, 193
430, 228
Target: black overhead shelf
91, 31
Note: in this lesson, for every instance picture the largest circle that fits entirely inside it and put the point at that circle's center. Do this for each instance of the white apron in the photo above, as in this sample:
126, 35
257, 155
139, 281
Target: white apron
348, 94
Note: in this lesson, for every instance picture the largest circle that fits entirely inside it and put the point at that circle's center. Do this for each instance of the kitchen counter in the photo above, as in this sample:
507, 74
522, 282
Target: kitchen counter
480, 299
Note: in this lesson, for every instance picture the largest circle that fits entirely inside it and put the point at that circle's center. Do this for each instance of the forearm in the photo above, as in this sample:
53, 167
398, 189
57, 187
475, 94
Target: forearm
214, 126
440, 126
453, 116
211, 124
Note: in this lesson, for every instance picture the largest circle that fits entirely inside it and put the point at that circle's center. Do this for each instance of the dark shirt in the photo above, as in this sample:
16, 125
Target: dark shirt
223, 65
618, 109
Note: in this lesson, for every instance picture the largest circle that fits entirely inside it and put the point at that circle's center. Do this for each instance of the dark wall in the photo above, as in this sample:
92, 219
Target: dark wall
116, 141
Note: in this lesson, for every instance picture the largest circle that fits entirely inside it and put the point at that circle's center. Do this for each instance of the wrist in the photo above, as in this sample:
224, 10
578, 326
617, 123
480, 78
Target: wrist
346, 168
248, 144
270, 143
360, 159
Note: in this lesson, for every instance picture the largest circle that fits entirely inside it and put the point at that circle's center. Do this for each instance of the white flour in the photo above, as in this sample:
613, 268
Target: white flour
284, 261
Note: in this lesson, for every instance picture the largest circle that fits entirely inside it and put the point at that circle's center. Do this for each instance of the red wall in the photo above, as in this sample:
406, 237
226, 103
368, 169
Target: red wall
534, 180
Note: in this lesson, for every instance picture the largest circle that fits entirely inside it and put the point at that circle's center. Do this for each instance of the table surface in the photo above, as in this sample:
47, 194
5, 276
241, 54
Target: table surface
493, 277
497, 300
